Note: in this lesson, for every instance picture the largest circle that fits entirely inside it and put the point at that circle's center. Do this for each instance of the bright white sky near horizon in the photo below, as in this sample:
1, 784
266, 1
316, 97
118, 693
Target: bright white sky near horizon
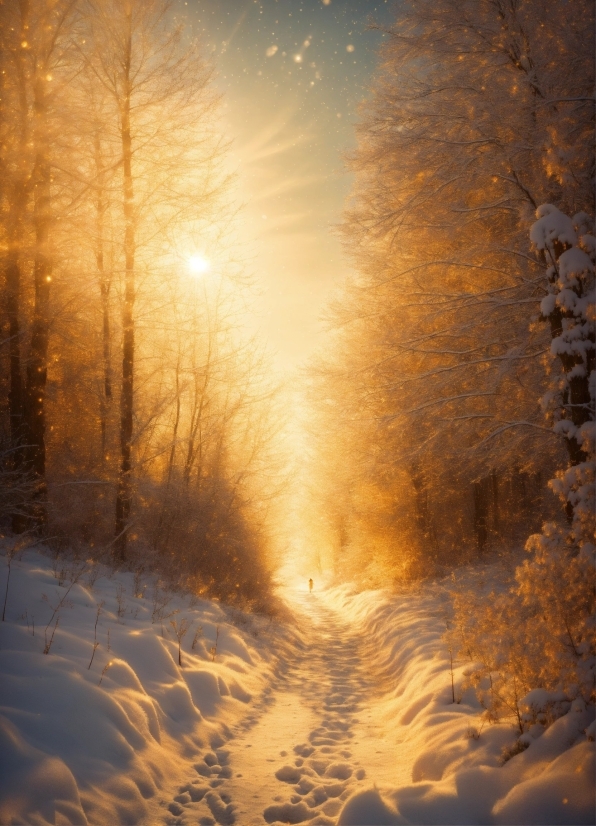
293, 73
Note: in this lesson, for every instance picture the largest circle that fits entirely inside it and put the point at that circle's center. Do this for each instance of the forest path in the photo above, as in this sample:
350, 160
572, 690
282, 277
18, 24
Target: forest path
304, 749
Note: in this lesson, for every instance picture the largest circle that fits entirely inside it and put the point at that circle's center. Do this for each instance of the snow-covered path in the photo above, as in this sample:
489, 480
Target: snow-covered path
348, 713
301, 753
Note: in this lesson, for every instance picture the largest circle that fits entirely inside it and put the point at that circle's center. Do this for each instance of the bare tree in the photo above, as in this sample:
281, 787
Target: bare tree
113, 175
141, 63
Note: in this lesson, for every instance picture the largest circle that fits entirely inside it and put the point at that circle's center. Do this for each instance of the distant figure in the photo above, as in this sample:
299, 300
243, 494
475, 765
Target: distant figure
310, 584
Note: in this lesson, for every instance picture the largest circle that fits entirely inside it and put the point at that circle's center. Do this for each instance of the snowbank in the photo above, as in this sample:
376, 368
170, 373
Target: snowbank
101, 726
453, 758
109, 727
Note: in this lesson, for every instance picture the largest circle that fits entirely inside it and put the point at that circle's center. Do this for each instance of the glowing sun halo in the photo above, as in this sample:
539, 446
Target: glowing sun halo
198, 265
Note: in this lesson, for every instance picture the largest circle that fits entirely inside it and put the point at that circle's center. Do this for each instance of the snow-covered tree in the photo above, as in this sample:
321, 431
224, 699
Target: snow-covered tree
570, 250
478, 112
539, 633
558, 583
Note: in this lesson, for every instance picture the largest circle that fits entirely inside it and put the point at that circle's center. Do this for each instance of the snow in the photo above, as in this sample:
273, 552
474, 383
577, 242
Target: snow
98, 753
452, 759
343, 716
574, 262
552, 225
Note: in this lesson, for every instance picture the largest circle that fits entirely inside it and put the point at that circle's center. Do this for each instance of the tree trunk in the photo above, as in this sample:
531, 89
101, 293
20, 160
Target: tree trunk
15, 393
481, 513
194, 452
16, 390
105, 283
124, 493
37, 364
421, 491
576, 398
175, 428
17, 203
161, 541
494, 479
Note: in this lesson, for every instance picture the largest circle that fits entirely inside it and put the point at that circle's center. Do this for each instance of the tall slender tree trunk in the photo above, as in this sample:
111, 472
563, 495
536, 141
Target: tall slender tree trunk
421, 491
481, 513
124, 492
16, 390
105, 283
18, 199
495, 503
176, 425
37, 363
194, 452
161, 540
12, 275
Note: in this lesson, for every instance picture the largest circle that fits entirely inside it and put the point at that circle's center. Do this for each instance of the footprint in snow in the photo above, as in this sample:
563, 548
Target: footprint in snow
314, 788
200, 803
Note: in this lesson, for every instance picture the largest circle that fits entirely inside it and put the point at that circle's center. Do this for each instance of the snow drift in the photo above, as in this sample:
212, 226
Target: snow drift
108, 718
454, 760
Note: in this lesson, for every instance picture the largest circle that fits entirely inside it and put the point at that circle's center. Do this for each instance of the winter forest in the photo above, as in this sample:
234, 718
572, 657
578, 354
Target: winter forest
355, 588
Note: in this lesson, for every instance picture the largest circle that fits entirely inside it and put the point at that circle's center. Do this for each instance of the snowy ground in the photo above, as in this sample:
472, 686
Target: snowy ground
344, 717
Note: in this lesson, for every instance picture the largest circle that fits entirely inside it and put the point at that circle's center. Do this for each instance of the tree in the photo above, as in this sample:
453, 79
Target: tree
451, 160
569, 250
207, 455
113, 176
154, 83
36, 44
539, 633
558, 583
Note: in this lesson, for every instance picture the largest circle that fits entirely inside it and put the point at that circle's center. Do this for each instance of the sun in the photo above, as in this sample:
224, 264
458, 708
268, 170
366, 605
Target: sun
198, 265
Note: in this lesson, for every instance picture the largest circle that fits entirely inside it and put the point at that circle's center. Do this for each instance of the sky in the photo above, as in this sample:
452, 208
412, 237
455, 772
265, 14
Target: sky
292, 73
